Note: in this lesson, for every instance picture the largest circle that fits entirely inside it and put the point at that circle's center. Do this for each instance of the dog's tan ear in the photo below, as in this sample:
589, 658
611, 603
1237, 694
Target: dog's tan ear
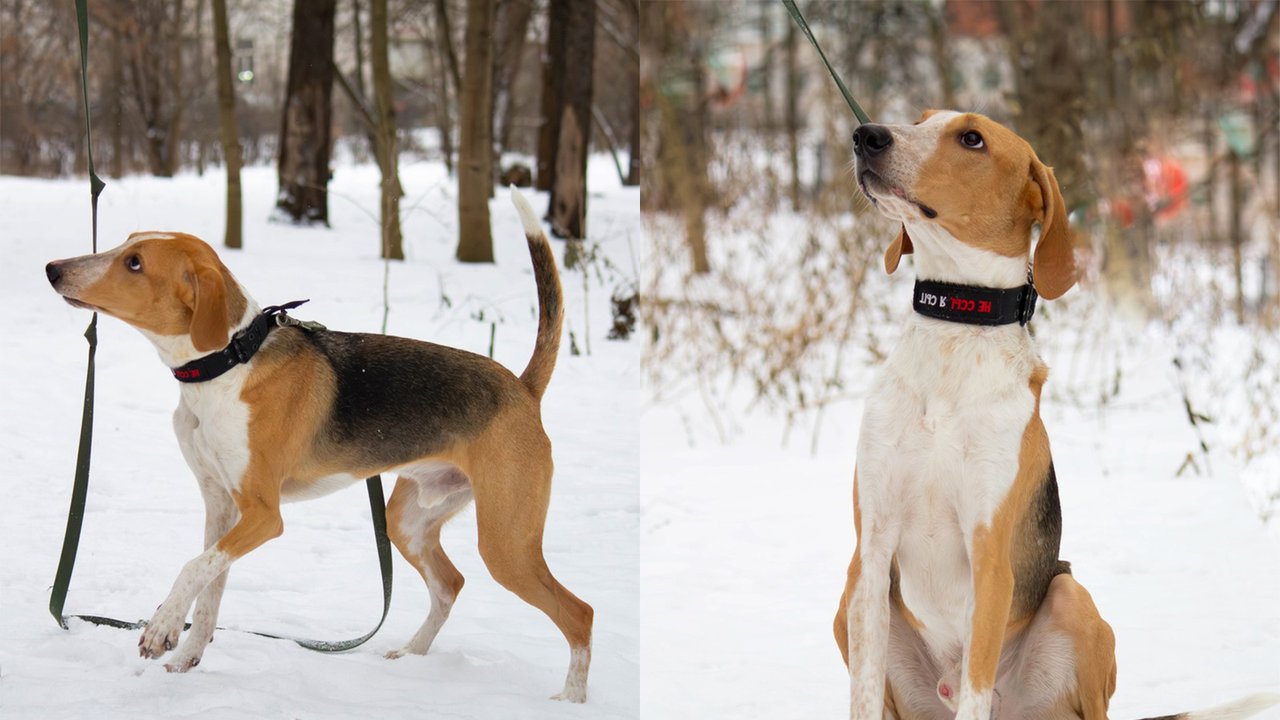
900, 246
209, 324
1054, 263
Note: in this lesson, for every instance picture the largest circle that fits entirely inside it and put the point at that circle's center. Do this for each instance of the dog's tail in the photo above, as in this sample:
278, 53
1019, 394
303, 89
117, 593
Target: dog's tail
537, 373
1234, 710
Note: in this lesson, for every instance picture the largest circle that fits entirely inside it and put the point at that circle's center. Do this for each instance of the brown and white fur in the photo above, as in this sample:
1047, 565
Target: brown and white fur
956, 604
314, 411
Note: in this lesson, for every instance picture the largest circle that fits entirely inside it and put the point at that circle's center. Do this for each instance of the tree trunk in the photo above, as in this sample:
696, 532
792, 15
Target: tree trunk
172, 147
449, 78
511, 27
766, 67
941, 61
475, 154
305, 135
793, 116
201, 139
115, 101
553, 79
633, 149
392, 247
1236, 230
227, 123
568, 210
444, 33
153, 44
443, 115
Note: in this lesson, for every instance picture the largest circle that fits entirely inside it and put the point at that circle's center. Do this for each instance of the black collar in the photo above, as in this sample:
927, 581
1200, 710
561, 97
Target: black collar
975, 305
243, 345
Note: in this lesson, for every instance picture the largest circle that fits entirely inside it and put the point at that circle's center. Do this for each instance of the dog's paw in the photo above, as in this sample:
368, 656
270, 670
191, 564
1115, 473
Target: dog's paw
161, 634
182, 663
403, 652
573, 695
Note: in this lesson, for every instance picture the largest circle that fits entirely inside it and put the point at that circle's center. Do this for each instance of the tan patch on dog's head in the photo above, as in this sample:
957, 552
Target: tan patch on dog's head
980, 182
165, 283
989, 188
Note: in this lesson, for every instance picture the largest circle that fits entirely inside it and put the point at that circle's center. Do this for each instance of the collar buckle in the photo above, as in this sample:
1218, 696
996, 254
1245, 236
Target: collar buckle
1027, 304
236, 350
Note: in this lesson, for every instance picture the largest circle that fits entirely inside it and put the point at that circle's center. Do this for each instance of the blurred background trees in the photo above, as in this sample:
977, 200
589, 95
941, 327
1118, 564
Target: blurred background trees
156, 106
763, 283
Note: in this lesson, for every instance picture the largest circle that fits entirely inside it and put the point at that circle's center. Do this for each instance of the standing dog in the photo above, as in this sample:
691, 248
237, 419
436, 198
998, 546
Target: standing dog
956, 603
272, 411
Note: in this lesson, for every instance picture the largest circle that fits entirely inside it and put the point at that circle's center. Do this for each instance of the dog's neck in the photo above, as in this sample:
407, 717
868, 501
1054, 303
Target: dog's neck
177, 350
940, 256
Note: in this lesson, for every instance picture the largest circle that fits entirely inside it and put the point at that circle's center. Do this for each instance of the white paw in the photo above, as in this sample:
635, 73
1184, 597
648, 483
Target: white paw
573, 695
182, 663
161, 634
402, 652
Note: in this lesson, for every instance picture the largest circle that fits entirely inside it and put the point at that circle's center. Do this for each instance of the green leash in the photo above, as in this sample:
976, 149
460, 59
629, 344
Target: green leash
80, 488
853, 104
75, 516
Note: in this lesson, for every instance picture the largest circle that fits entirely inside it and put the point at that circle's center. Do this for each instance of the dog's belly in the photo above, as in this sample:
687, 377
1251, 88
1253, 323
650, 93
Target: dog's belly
292, 490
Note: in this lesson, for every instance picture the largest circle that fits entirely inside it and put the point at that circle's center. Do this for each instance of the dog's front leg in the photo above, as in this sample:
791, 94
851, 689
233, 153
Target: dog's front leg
863, 635
220, 517
259, 506
992, 599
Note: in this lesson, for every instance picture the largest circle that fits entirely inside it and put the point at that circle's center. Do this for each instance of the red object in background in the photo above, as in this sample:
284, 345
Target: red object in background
1166, 187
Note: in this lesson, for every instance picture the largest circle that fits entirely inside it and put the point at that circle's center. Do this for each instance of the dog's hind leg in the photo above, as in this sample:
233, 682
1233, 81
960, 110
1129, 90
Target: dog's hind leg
422, 501
513, 489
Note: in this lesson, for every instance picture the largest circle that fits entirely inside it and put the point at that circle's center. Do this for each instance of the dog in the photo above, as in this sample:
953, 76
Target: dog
956, 604
273, 410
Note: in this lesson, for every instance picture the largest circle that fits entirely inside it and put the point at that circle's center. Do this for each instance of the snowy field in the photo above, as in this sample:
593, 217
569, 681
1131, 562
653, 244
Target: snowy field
496, 658
746, 542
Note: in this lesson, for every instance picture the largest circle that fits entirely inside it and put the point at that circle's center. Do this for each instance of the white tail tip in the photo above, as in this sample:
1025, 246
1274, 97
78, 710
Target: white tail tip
528, 218
1237, 709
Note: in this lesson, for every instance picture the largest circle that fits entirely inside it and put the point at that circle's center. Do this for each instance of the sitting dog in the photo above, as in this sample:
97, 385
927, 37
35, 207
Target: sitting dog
956, 604
273, 410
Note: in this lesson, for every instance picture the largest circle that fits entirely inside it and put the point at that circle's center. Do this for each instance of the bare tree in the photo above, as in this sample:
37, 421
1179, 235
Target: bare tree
568, 210
793, 115
152, 32
227, 122
305, 139
554, 71
450, 79
511, 27
475, 154
385, 146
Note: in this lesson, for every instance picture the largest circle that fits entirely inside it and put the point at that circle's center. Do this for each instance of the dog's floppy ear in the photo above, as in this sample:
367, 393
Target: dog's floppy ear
1054, 263
900, 246
209, 324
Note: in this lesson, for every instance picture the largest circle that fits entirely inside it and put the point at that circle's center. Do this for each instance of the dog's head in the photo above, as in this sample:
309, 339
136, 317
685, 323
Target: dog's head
168, 284
966, 178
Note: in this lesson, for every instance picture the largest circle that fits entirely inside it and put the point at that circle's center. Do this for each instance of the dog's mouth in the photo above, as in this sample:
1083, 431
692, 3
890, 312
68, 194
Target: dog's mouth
82, 305
875, 188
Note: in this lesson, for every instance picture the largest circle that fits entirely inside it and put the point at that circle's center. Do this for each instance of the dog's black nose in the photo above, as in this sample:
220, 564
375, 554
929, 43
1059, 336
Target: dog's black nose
870, 140
52, 272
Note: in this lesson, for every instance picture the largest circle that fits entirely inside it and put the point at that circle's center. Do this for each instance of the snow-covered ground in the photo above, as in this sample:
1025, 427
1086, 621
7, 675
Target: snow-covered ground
496, 658
746, 543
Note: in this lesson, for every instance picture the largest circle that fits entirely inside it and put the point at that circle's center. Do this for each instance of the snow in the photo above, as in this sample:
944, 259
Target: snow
496, 657
746, 541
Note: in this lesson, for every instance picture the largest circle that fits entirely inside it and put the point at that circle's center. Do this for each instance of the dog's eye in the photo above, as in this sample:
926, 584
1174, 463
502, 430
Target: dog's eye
971, 139
134, 263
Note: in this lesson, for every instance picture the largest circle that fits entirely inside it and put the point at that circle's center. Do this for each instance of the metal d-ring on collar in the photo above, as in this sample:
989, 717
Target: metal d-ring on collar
241, 348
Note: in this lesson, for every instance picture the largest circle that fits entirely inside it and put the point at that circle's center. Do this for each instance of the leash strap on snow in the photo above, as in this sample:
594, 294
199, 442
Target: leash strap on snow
80, 488
804, 26
75, 516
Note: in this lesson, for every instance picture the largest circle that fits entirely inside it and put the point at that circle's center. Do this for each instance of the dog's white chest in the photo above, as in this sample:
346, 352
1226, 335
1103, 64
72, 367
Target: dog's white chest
212, 425
937, 454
